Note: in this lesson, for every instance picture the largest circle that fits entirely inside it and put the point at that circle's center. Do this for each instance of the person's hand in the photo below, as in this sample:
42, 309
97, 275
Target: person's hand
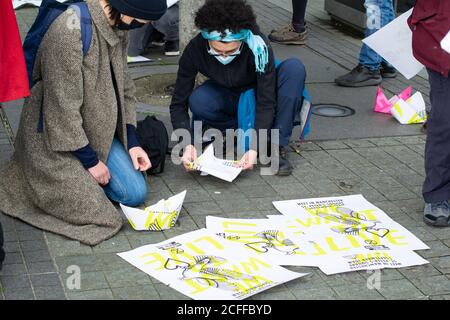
189, 157
100, 172
140, 159
248, 160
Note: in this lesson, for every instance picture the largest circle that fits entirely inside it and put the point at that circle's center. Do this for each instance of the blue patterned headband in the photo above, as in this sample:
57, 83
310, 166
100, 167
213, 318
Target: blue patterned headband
254, 42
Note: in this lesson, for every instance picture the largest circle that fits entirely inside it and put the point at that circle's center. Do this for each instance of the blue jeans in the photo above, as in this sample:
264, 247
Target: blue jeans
379, 13
127, 185
217, 106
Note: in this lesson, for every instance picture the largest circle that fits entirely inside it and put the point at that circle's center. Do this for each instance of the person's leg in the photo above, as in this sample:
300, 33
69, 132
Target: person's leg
126, 186
2, 252
387, 16
169, 26
295, 32
436, 188
215, 106
368, 72
375, 11
298, 15
139, 39
291, 76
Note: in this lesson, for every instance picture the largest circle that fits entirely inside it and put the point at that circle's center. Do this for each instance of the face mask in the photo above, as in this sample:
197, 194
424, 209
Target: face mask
224, 60
133, 25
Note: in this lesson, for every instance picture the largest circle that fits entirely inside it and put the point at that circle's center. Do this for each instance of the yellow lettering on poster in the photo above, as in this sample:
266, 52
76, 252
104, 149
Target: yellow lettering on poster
394, 239
252, 265
210, 240
309, 222
353, 241
319, 249
157, 258
333, 246
198, 288
227, 224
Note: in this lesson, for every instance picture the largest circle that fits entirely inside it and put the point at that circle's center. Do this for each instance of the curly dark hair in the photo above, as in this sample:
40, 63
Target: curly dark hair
220, 15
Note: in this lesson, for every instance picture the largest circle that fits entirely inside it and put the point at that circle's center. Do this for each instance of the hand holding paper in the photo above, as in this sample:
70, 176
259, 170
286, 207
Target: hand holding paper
223, 169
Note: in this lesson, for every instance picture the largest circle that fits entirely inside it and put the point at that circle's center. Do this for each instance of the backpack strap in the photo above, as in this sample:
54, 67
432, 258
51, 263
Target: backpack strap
86, 39
86, 26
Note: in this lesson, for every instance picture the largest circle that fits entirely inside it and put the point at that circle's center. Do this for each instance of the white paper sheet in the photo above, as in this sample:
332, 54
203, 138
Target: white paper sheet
264, 238
445, 43
158, 217
411, 111
219, 168
394, 43
171, 3
203, 266
350, 218
371, 261
338, 254
374, 260
138, 59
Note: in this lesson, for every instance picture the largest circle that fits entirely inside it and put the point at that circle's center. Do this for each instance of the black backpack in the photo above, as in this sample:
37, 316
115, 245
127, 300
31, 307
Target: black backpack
154, 139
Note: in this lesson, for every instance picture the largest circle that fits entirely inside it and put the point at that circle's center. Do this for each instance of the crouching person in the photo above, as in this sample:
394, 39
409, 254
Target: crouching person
234, 55
76, 145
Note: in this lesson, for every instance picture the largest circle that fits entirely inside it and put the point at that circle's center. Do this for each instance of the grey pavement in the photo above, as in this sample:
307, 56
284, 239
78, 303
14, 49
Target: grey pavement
367, 153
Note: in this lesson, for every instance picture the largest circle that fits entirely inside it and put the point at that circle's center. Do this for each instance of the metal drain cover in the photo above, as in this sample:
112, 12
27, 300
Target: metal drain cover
332, 110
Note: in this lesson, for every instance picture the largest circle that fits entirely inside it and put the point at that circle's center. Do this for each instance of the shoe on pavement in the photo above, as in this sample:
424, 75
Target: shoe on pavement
388, 71
172, 48
285, 168
360, 76
437, 214
288, 35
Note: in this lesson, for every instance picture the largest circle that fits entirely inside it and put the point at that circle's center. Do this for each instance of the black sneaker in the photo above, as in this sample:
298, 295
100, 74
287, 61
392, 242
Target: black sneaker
156, 39
172, 48
285, 168
360, 76
388, 71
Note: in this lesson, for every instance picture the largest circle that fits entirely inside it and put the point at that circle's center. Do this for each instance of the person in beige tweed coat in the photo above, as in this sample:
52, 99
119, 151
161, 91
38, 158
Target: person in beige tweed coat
59, 178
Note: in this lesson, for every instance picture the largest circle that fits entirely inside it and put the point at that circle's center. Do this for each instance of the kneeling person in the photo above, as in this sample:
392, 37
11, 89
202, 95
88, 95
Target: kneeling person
76, 145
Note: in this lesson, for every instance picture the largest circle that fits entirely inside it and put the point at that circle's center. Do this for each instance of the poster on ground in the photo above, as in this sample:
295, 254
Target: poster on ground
204, 266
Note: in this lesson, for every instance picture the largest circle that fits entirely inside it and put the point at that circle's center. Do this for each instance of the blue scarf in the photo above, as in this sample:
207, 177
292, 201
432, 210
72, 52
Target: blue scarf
254, 42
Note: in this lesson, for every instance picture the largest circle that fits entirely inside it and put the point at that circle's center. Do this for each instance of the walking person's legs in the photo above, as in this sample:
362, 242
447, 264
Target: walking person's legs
436, 189
139, 39
371, 68
169, 26
295, 32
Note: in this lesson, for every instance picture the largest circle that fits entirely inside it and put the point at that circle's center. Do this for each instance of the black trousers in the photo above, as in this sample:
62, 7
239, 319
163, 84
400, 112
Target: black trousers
299, 11
2, 252
437, 150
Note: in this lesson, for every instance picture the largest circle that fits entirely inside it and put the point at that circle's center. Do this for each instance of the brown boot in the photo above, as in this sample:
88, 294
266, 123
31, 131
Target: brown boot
288, 35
